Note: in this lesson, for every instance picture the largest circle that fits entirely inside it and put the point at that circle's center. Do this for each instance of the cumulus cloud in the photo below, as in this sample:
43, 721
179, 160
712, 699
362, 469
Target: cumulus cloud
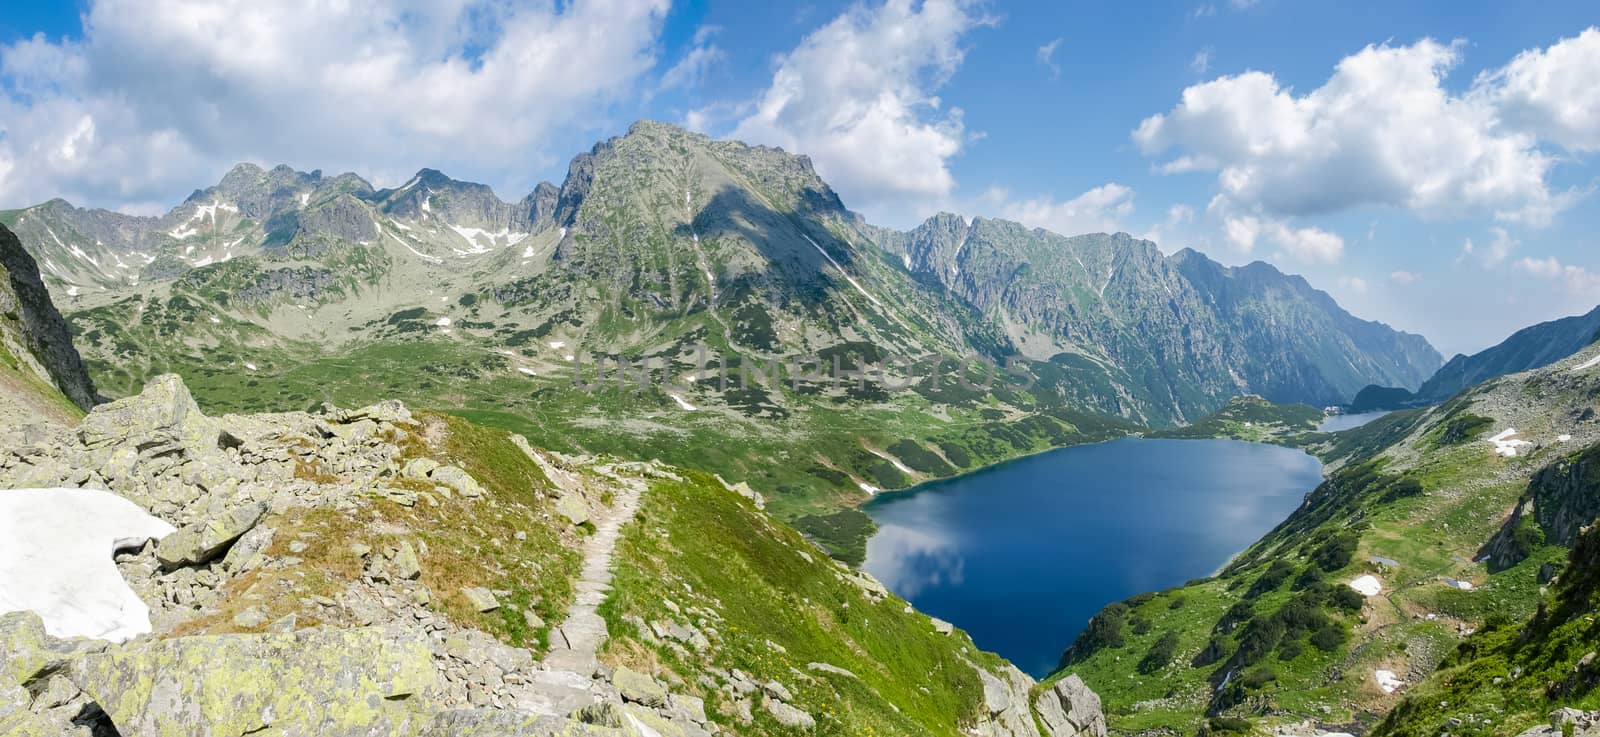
1575, 279
1405, 278
1552, 93
1307, 244
161, 94
1382, 130
859, 95
1099, 210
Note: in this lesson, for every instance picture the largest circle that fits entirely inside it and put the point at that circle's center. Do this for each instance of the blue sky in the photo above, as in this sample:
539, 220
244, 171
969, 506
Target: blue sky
1430, 164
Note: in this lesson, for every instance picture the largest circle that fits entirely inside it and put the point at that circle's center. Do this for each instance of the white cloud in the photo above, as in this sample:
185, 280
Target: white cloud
1308, 244
1405, 278
859, 96
1552, 93
1575, 279
1099, 210
1500, 248
1047, 54
1381, 130
161, 94
1353, 283
691, 70
1201, 63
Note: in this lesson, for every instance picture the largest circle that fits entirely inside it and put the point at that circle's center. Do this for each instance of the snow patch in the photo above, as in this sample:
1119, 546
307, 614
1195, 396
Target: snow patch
55, 560
442, 322
1506, 443
250, 366
1564, 438
526, 370
893, 460
1387, 681
1368, 585
1589, 364
681, 403
846, 274
72, 291
216, 320
1461, 585
415, 252
558, 344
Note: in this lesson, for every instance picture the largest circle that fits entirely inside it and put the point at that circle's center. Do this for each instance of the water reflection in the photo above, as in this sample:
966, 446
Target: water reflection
1021, 555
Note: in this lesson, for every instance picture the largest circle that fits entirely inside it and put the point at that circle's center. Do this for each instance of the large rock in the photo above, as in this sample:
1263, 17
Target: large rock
1070, 708
202, 541
24, 651
161, 411
639, 688
788, 715
572, 507
457, 479
307, 684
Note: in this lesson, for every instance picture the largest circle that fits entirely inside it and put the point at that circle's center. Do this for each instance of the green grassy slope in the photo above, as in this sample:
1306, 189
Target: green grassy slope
771, 606
1279, 636
1509, 676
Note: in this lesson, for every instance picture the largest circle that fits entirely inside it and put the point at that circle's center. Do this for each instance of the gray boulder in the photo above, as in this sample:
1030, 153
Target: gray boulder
457, 479
202, 541
307, 684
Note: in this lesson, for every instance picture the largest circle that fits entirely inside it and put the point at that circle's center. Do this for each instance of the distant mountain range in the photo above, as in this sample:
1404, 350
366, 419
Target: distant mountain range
283, 289
1530, 348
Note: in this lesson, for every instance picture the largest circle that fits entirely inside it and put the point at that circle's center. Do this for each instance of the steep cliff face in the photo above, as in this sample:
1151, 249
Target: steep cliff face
34, 339
1561, 499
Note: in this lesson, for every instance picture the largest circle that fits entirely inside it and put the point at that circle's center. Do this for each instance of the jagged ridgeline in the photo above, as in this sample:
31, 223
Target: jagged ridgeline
281, 290
1433, 524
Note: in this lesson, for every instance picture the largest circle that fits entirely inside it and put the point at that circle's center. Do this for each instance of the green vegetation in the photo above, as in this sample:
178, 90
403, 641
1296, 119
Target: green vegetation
1507, 677
1254, 419
698, 553
1280, 635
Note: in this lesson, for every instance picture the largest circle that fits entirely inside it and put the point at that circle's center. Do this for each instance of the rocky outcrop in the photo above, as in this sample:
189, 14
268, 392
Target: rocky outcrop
32, 333
1068, 707
1560, 500
305, 684
1567, 723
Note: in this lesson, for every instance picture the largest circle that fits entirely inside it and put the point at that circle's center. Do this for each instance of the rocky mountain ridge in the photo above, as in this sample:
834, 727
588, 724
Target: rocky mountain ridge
35, 342
1183, 330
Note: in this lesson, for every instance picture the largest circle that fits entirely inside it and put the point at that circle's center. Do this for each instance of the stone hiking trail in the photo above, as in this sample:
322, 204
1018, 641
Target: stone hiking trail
584, 632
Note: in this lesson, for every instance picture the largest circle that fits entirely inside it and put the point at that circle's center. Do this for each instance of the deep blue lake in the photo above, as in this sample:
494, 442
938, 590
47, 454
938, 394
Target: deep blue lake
1022, 554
